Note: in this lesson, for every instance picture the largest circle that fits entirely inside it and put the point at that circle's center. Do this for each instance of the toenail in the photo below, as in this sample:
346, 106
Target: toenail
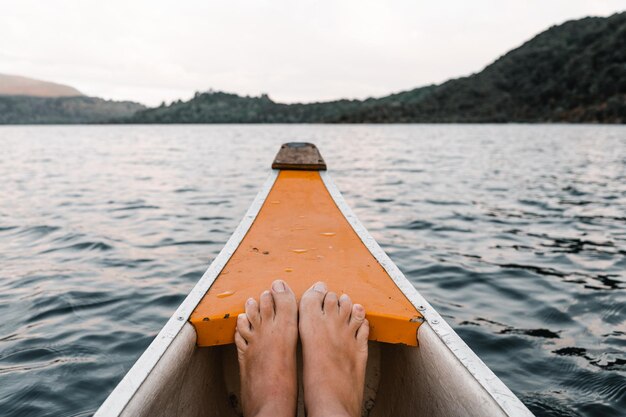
344, 298
359, 311
250, 301
278, 286
320, 287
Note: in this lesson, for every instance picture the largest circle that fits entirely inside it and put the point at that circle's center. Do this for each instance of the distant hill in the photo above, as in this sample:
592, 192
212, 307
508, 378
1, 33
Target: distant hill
63, 110
220, 107
14, 85
29, 101
574, 72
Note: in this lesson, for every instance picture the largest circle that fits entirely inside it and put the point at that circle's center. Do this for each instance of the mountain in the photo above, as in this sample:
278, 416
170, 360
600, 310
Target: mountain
574, 72
29, 101
14, 85
63, 110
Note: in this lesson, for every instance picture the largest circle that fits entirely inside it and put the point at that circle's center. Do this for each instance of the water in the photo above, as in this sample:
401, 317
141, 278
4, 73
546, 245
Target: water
517, 234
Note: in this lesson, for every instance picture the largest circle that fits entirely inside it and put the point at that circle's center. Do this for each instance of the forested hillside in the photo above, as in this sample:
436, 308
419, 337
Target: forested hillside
63, 110
574, 72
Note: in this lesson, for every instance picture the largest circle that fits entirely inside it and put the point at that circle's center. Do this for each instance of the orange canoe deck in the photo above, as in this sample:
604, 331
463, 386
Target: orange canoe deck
301, 236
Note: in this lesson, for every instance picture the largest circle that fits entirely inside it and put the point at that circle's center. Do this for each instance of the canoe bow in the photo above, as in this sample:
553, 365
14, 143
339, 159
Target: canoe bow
301, 235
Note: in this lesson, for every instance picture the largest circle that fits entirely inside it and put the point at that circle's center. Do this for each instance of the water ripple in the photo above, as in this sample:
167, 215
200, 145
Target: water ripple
517, 234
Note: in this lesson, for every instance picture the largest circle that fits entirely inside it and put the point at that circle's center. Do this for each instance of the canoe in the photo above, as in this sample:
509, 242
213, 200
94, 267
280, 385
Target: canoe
300, 229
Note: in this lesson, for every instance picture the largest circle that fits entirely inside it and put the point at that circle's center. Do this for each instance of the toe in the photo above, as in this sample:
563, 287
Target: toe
253, 313
240, 342
266, 306
244, 327
345, 307
331, 303
363, 333
357, 318
313, 298
284, 298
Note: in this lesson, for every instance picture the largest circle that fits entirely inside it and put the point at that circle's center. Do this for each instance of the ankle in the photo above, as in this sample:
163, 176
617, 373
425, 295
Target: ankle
272, 409
330, 410
330, 414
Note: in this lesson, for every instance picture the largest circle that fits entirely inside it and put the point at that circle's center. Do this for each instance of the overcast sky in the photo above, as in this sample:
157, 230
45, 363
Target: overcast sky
153, 51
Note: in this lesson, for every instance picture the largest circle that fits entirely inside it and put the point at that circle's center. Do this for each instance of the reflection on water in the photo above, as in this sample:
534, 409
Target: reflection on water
517, 234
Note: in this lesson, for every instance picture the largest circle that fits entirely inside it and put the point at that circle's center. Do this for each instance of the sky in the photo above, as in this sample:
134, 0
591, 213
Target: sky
293, 50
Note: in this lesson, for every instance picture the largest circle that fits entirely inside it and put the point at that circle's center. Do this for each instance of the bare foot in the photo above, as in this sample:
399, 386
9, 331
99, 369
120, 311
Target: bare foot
266, 339
334, 350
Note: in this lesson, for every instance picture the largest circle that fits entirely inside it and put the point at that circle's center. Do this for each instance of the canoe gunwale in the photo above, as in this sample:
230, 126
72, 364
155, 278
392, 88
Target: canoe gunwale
505, 398
122, 394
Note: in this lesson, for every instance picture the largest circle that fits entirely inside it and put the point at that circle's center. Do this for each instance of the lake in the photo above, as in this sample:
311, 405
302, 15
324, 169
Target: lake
515, 233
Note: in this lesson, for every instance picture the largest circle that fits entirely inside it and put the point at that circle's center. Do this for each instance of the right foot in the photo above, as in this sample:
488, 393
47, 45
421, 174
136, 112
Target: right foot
334, 349
266, 339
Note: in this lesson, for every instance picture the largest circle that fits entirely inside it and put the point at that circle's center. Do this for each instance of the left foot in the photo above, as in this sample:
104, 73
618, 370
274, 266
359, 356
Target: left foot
266, 339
